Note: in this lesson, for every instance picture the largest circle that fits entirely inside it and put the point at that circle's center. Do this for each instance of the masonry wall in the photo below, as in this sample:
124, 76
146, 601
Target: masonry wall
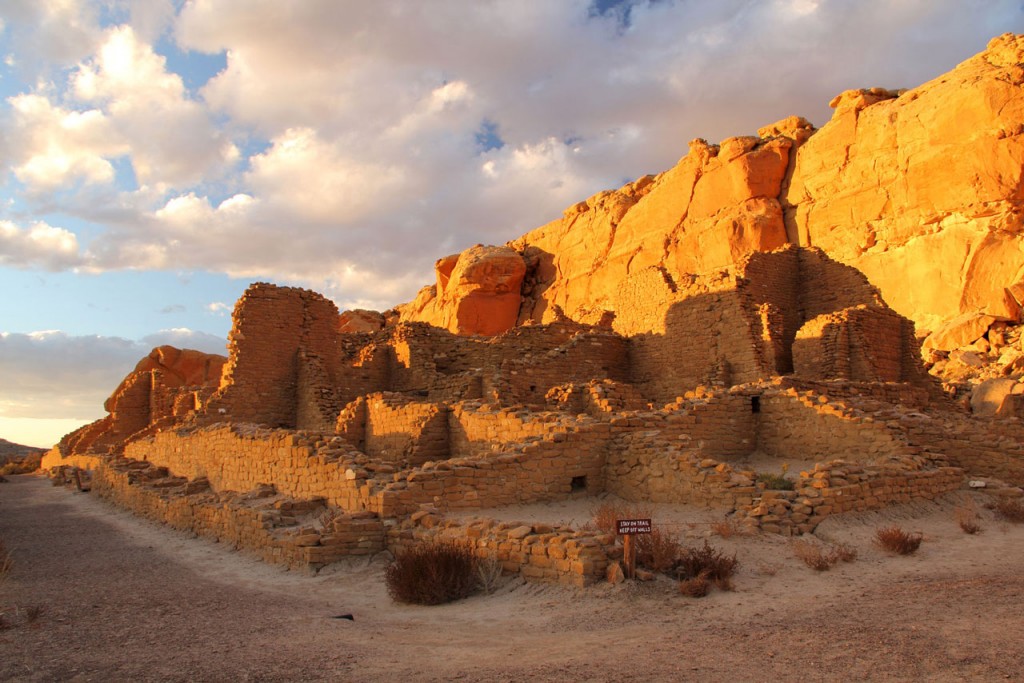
598, 354
237, 458
704, 337
399, 430
806, 426
771, 283
534, 472
642, 466
260, 382
538, 553
477, 430
277, 529
838, 487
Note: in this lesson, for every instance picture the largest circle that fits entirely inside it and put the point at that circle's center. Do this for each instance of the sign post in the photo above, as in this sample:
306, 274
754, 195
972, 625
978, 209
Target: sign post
627, 528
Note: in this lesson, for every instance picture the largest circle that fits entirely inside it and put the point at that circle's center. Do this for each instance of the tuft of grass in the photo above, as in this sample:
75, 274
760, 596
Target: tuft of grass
820, 558
775, 482
968, 519
896, 540
432, 573
708, 562
33, 613
1009, 509
488, 574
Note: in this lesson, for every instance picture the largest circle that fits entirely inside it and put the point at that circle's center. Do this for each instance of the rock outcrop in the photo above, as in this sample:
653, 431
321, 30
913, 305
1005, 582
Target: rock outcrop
921, 190
165, 388
478, 292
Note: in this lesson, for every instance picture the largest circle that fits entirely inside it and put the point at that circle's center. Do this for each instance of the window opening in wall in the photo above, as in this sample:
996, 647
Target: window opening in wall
533, 387
755, 404
579, 484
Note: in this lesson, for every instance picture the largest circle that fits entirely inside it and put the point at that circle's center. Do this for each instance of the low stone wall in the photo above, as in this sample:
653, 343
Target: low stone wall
809, 426
241, 457
538, 553
478, 430
277, 529
838, 487
570, 462
643, 467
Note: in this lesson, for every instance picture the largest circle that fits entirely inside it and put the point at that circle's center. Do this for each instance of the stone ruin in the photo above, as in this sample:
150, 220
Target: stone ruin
704, 344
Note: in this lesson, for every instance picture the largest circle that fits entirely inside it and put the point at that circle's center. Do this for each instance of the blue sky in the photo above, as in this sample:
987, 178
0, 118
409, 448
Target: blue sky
160, 155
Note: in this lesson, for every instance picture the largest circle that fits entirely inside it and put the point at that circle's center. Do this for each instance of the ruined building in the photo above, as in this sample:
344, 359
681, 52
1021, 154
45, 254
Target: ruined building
665, 342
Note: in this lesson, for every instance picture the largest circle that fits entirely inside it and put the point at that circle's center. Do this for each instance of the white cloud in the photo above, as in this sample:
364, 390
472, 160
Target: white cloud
47, 34
52, 147
173, 141
38, 246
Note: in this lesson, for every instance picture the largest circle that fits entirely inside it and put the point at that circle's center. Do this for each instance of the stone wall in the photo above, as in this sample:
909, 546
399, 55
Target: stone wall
275, 330
399, 430
242, 457
278, 529
808, 426
596, 354
538, 553
838, 487
569, 463
480, 430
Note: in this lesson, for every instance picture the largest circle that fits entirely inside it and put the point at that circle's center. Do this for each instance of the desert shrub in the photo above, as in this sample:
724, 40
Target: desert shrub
814, 556
1010, 509
821, 558
697, 587
657, 551
845, 552
968, 519
713, 564
432, 573
775, 482
896, 540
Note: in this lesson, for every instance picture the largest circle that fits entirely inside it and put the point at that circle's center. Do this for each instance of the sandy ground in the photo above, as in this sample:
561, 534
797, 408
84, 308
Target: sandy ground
98, 595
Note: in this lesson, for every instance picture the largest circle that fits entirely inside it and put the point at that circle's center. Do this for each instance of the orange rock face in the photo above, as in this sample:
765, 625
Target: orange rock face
922, 191
717, 205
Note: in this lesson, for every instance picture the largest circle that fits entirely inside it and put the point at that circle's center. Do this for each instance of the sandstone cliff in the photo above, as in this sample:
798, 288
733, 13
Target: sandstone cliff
920, 190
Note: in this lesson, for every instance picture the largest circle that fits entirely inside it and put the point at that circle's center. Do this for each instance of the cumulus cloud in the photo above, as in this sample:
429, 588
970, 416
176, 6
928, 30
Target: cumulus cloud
38, 246
172, 138
52, 147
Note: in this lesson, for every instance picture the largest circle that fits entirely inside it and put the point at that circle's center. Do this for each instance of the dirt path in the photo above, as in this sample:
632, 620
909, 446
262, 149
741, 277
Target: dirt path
124, 599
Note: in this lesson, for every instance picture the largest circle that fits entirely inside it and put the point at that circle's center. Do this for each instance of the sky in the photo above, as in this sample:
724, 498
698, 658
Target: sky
158, 156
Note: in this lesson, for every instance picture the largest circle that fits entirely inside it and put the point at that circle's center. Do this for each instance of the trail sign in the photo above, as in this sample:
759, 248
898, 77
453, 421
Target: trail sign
633, 526
627, 528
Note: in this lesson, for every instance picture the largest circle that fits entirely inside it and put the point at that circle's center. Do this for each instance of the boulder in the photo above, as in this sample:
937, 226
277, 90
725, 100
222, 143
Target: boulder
959, 332
989, 397
482, 292
359, 320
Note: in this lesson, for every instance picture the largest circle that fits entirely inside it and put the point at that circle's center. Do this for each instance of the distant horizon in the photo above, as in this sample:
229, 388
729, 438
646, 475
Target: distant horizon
160, 156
